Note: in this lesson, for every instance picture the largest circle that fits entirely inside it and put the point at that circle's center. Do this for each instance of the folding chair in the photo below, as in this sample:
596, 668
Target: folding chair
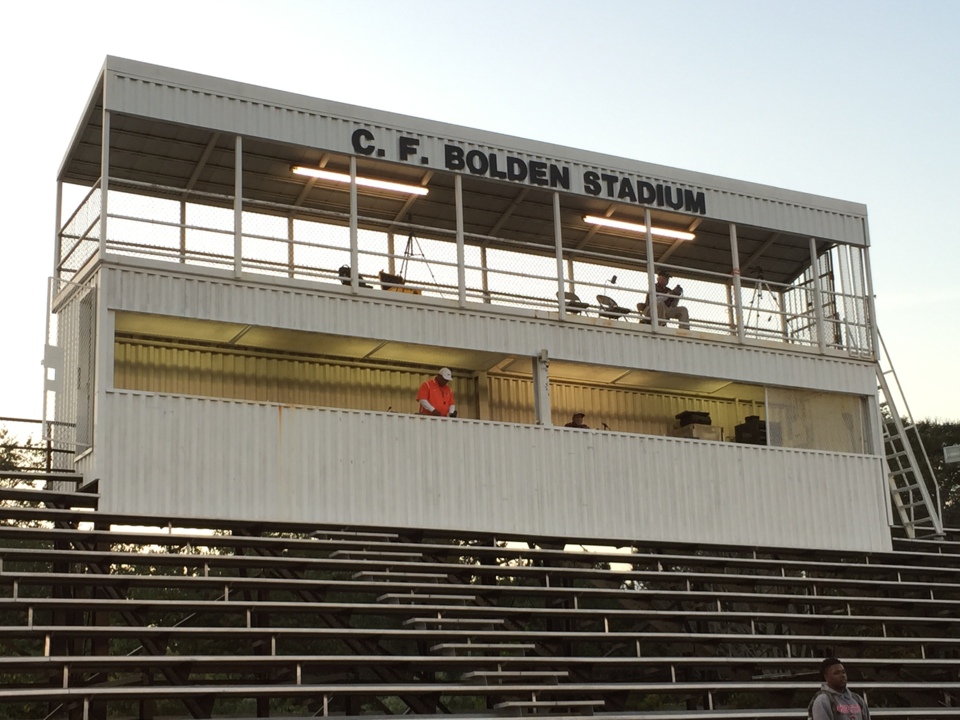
574, 304
610, 309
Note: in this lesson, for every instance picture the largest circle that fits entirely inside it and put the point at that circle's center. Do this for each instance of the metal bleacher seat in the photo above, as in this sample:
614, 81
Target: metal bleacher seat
512, 628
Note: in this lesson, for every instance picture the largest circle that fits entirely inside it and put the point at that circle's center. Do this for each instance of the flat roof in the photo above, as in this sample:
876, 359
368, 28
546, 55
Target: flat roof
174, 132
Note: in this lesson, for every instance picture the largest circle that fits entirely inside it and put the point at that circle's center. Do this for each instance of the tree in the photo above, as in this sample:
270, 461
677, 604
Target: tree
17, 454
935, 434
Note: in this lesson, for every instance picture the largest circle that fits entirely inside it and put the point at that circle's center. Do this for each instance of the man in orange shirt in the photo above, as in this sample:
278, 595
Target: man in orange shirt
436, 396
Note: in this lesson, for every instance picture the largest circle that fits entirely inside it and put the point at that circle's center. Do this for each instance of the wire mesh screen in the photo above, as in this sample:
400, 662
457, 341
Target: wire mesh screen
815, 420
80, 236
851, 321
314, 244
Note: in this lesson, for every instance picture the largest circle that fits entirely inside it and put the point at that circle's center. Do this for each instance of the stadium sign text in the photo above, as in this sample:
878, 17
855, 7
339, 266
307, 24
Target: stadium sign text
500, 165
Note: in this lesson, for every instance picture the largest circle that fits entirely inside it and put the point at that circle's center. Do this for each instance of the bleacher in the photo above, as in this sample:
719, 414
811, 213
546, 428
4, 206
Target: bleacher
105, 618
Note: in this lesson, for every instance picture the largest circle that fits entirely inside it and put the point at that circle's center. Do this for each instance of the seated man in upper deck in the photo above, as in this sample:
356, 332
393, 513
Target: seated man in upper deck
668, 302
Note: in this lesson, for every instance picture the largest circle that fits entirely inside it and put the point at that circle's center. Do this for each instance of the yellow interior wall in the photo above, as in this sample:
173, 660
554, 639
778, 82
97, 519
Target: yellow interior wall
183, 370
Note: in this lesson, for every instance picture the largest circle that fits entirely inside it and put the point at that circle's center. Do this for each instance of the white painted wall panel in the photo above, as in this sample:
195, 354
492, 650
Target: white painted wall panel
153, 288
196, 458
233, 107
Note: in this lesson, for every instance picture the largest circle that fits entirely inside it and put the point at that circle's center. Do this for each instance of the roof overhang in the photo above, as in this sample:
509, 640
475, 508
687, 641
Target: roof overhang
174, 133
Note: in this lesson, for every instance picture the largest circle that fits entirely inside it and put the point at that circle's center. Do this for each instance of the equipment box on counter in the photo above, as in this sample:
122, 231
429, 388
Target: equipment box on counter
700, 432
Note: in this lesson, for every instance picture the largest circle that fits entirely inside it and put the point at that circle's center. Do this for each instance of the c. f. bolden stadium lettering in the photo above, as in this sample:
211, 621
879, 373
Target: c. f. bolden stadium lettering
535, 172
513, 168
643, 192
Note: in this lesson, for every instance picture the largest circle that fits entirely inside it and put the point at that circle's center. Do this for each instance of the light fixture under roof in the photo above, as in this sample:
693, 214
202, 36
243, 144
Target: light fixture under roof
638, 228
364, 181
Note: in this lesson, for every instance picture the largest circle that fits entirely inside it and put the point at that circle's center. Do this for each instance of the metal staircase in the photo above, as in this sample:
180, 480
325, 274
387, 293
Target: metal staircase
919, 512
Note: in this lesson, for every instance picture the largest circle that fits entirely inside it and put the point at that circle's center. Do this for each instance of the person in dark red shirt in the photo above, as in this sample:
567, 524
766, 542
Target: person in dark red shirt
436, 396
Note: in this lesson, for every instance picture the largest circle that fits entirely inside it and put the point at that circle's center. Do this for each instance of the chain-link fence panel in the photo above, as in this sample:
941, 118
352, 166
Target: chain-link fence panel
265, 244
80, 236
764, 313
207, 236
598, 288
143, 226
320, 249
518, 279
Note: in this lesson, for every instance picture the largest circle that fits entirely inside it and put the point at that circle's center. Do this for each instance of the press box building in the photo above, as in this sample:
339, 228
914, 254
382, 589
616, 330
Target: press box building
255, 284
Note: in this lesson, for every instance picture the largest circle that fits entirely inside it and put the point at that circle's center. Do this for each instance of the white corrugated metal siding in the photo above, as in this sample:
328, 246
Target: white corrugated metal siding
194, 457
330, 309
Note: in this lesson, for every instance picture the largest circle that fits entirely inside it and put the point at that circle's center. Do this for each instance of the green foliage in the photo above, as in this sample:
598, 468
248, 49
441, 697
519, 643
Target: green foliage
935, 434
18, 454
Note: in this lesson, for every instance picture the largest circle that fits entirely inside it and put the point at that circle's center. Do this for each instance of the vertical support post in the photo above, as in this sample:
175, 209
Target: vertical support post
238, 207
782, 305
737, 284
651, 275
291, 256
104, 181
854, 299
558, 251
461, 270
391, 252
103, 361
871, 319
354, 233
183, 231
483, 396
817, 297
57, 237
484, 274
541, 388
46, 432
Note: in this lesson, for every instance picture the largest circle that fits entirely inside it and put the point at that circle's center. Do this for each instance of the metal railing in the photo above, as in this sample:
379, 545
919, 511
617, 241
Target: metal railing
315, 245
24, 452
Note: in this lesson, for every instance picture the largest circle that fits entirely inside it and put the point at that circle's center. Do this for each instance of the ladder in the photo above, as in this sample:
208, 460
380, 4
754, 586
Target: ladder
919, 512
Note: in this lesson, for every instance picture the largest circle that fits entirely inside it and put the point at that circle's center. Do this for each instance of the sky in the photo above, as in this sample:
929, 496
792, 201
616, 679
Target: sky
856, 100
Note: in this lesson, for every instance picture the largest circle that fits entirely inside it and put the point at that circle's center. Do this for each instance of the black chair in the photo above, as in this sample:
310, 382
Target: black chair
610, 309
344, 274
574, 304
396, 283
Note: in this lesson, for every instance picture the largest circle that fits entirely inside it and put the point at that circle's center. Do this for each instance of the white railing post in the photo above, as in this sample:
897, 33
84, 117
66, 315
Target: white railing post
57, 239
871, 308
541, 388
238, 207
652, 309
354, 246
104, 181
461, 256
818, 297
737, 285
558, 251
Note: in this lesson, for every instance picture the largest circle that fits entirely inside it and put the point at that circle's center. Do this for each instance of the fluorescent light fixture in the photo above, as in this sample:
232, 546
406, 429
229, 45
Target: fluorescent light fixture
634, 227
366, 182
